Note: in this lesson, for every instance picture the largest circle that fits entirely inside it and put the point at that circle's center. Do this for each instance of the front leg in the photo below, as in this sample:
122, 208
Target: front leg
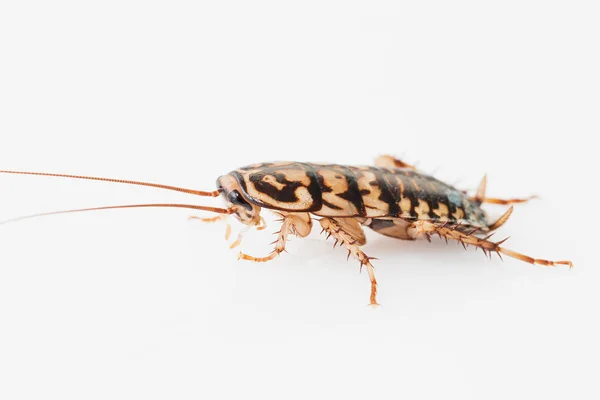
299, 224
348, 232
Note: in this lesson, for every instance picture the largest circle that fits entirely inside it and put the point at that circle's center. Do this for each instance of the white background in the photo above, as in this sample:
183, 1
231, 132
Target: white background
145, 304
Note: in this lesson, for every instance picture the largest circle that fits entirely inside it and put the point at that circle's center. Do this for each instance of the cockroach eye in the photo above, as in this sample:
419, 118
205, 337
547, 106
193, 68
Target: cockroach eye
234, 197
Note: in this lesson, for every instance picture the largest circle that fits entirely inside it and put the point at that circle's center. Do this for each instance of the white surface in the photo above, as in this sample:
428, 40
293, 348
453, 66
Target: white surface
145, 304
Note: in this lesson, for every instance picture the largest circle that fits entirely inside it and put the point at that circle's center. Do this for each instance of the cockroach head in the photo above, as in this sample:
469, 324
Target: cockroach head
246, 212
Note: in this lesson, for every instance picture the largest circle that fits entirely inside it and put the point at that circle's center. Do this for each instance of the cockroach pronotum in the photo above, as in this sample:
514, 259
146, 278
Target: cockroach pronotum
392, 198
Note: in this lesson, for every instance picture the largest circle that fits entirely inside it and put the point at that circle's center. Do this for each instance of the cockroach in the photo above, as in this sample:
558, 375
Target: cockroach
392, 198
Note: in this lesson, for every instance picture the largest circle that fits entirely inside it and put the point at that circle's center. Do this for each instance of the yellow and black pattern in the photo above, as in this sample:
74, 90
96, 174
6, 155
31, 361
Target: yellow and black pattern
332, 190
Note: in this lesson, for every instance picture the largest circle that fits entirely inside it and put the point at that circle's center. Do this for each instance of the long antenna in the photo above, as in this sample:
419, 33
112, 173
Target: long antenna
192, 206
93, 178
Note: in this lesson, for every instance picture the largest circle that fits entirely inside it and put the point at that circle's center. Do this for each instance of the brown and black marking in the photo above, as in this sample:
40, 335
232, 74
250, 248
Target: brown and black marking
347, 191
392, 198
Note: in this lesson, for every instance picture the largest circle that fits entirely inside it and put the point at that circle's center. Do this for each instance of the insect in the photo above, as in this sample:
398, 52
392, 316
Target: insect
392, 198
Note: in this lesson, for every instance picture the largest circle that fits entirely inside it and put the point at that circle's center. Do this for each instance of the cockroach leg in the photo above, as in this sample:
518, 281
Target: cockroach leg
299, 224
480, 198
216, 219
424, 228
282, 235
348, 233
391, 162
493, 200
208, 220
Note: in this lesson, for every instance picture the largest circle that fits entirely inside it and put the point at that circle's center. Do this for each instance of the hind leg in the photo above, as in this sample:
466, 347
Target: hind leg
494, 200
348, 233
425, 228
480, 196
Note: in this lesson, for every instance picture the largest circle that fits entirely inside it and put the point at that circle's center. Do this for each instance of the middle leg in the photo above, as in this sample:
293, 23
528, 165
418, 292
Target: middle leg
348, 233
